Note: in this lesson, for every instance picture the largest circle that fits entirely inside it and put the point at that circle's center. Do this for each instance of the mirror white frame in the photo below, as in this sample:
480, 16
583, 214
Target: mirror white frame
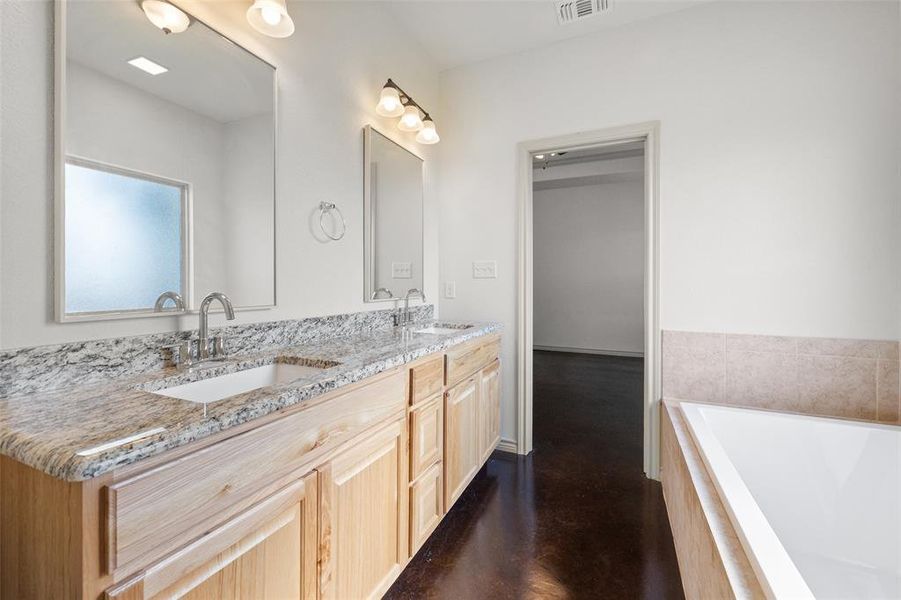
369, 222
59, 193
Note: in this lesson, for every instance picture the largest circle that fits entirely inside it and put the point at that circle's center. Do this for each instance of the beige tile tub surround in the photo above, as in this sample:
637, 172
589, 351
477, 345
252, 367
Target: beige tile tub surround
856, 379
712, 561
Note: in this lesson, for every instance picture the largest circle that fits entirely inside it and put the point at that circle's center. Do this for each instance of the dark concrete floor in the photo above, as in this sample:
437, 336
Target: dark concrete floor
576, 518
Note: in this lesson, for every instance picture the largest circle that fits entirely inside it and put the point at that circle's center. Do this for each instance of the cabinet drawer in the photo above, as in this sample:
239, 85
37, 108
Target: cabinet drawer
426, 435
426, 507
426, 379
280, 531
160, 510
466, 359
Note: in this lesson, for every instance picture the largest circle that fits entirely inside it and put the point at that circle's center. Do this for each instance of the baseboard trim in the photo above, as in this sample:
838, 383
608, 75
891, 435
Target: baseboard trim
589, 351
506, 445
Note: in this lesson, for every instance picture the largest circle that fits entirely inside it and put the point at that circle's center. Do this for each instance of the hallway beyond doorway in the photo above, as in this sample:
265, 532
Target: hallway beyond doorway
576, 518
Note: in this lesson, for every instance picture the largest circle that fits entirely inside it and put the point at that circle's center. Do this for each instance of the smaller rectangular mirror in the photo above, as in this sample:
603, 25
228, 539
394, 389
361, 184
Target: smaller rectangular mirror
392, 209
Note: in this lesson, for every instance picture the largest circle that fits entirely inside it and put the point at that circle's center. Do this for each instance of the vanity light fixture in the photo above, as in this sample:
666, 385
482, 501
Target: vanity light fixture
270, 17
394, 102
147, 65
410, 121
428, 134
166, 16
389, 103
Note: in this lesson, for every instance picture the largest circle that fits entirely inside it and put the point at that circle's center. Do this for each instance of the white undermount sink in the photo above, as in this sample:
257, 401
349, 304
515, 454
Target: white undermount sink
226, 386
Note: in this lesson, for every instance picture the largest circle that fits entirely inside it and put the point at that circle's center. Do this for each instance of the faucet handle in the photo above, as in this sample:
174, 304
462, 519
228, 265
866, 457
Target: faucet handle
180, 355
217, 349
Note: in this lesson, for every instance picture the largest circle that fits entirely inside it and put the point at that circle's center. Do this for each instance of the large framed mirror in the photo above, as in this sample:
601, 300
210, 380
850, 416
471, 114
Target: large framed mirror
392, 216
165, 166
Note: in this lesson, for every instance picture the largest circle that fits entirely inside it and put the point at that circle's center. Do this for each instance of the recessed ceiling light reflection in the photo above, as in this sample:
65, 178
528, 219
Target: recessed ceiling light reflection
147, 65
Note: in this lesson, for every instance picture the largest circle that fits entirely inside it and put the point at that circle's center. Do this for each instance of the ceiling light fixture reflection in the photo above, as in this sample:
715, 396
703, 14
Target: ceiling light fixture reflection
270, 17
169, 18
394, 102
147, 65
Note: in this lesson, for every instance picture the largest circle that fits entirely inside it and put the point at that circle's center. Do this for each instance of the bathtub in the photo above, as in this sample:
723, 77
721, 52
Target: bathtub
815, 502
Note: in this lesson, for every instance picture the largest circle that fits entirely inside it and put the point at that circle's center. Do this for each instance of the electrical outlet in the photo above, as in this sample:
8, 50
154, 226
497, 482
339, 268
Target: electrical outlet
450, 289
401, 270
484, 269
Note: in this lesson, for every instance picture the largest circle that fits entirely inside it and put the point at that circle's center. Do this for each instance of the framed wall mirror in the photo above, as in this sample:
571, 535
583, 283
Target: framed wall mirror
165, 166
392, 215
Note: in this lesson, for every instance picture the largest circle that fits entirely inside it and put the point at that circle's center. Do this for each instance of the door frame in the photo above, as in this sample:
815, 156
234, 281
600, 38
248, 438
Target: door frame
649, 132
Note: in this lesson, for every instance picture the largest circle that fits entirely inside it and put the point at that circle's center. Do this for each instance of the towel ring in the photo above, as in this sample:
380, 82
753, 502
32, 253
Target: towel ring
325, 207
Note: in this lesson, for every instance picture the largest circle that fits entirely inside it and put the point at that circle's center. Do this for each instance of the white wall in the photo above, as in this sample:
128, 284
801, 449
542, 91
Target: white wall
248, 211
589, 267
779, 182
330, 73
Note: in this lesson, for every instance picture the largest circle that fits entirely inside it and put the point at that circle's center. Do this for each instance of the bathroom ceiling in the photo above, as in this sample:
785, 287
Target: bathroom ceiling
458, 32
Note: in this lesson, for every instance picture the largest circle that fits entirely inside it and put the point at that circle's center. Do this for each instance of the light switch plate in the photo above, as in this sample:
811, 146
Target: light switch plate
401, 270
450, 289
484, 269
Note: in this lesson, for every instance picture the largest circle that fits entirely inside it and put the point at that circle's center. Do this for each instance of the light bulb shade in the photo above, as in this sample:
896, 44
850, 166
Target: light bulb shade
166, 16
270, 17
389, 103
428, 134
410, 121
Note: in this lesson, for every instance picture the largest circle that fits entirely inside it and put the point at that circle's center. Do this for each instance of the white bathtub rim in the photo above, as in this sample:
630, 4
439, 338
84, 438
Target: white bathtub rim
776, 572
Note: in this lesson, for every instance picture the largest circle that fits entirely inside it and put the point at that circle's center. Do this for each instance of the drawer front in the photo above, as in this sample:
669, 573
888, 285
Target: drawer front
426, 379
426, 507
466, 359
280, 530
156, 512
426, 435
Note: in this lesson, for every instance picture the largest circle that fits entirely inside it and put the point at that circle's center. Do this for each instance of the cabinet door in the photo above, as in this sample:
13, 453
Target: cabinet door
363, 523
461, 437
490, 410
426, 433
267, 552
426, 506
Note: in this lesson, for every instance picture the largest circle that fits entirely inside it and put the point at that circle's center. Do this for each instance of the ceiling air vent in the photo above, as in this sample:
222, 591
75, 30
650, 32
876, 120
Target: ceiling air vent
570, 11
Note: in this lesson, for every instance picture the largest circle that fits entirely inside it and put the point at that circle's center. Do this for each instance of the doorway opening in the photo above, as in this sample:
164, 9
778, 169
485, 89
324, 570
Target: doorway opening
588, 204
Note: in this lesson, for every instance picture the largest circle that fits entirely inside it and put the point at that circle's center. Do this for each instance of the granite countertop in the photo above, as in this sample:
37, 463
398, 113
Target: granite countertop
76, 433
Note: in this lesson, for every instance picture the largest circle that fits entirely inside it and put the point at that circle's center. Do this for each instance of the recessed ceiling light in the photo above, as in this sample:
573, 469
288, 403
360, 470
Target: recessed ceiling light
147, 65
539, 156
553, 154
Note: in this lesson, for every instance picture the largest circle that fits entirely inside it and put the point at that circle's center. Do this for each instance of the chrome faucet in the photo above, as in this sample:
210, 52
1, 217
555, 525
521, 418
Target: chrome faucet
405, 317
203, 333
189, 353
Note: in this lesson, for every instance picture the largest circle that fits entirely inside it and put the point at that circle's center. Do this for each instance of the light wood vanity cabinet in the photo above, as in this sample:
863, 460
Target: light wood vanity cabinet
462, 450
327, 499
426, 435
426, 506
363, 516
490, 409
267, 552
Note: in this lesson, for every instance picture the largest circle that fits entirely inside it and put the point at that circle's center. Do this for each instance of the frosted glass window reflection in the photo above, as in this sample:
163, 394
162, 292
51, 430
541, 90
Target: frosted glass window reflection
123, 240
